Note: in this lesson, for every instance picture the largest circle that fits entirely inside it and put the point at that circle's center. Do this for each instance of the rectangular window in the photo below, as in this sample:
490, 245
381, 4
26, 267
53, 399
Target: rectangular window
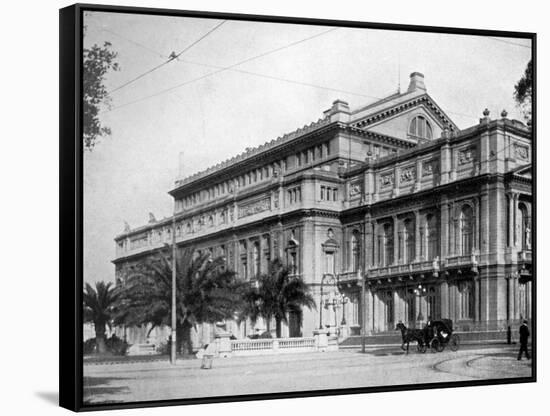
335, 194
306, 158
322, 193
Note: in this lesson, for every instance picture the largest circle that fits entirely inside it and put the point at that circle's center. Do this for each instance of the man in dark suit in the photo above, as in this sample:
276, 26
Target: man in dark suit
523, 339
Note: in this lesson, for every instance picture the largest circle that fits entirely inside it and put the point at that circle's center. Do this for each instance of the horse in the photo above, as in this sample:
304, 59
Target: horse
409, 335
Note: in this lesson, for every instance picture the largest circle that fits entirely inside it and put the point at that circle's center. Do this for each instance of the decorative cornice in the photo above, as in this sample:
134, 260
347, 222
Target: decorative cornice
252, 152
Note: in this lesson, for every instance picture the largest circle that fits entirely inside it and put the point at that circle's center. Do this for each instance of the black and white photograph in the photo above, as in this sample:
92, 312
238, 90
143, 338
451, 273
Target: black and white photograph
288, 208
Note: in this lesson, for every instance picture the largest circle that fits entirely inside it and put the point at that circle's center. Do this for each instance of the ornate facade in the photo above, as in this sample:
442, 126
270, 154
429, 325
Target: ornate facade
435, 220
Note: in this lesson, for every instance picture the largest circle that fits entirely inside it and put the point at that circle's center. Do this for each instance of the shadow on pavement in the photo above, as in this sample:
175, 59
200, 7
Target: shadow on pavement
51, 397
94, 387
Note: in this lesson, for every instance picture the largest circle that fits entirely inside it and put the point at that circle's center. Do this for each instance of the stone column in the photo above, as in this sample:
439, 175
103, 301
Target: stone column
516, 205
417, 237
375, 254
444, 294
477, 304
397, 316
510, 297
376, 311
368, 247
418, 179
395, 239
444, 219
516, 294
510, 199
368, 314
445, 163
395, 191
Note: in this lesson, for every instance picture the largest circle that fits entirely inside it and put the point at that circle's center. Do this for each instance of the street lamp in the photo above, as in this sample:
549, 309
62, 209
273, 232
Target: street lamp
336, 300
329, 278
420, 291
173, 323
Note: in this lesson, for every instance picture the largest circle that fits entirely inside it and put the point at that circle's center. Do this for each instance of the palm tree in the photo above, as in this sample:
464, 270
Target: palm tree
205, 292
276, 294
98, 308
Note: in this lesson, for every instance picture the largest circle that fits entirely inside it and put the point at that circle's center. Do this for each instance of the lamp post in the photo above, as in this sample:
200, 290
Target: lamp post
420, 291
173, 323
336, 300
328, 277
361, 279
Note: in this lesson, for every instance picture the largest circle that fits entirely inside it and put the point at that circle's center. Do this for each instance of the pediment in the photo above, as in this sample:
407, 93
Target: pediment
376, 114
525, 172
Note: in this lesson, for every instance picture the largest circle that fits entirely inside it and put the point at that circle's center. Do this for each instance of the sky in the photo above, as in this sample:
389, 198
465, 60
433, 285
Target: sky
281, 77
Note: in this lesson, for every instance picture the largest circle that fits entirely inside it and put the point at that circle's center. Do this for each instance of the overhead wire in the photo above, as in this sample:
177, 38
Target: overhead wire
233, 69
172, 57
222, 69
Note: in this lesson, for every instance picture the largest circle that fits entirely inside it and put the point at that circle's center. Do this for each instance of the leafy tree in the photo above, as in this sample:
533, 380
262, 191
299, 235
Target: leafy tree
523, 91
99, 305
276, 294
206, 292
97, 61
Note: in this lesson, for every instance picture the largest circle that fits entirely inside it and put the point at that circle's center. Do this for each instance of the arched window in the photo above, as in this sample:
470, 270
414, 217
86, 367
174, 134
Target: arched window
420, 127
355, 250
466, 230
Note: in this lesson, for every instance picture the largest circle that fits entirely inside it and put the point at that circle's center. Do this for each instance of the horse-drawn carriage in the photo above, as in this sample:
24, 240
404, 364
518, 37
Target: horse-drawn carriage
436, 335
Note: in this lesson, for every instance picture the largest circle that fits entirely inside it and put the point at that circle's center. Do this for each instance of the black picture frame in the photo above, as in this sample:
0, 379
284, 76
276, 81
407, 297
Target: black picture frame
71, 204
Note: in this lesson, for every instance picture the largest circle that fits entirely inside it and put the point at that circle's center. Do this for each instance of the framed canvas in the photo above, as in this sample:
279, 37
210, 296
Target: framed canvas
259, 207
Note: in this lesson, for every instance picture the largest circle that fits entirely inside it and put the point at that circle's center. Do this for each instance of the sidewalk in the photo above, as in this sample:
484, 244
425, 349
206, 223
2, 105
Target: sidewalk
296, 372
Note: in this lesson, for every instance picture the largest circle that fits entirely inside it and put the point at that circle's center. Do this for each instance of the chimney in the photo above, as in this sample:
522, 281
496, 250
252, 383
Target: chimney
417, 82
338, 112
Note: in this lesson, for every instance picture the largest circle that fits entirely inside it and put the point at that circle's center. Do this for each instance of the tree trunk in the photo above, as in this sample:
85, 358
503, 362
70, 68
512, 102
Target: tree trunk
184, 345
278, 327
100, 339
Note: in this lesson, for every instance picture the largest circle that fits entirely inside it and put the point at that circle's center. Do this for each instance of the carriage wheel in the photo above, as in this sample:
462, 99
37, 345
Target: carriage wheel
436, 345
454, 342
422, 347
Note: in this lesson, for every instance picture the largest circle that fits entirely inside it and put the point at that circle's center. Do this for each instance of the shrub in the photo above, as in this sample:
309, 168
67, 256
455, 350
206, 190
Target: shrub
164, 348
89, 346
116, 346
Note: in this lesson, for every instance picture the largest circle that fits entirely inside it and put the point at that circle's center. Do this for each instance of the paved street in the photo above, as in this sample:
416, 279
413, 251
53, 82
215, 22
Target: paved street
297, 372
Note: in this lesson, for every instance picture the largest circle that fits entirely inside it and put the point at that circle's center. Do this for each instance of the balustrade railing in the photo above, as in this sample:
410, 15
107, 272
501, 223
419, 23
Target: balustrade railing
275, 345
297, 343
251, 344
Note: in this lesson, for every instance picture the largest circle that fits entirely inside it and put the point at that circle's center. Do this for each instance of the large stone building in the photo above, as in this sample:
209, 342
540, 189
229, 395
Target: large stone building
437, 220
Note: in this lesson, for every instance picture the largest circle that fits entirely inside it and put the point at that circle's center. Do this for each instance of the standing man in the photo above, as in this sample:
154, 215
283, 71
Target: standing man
523, 339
